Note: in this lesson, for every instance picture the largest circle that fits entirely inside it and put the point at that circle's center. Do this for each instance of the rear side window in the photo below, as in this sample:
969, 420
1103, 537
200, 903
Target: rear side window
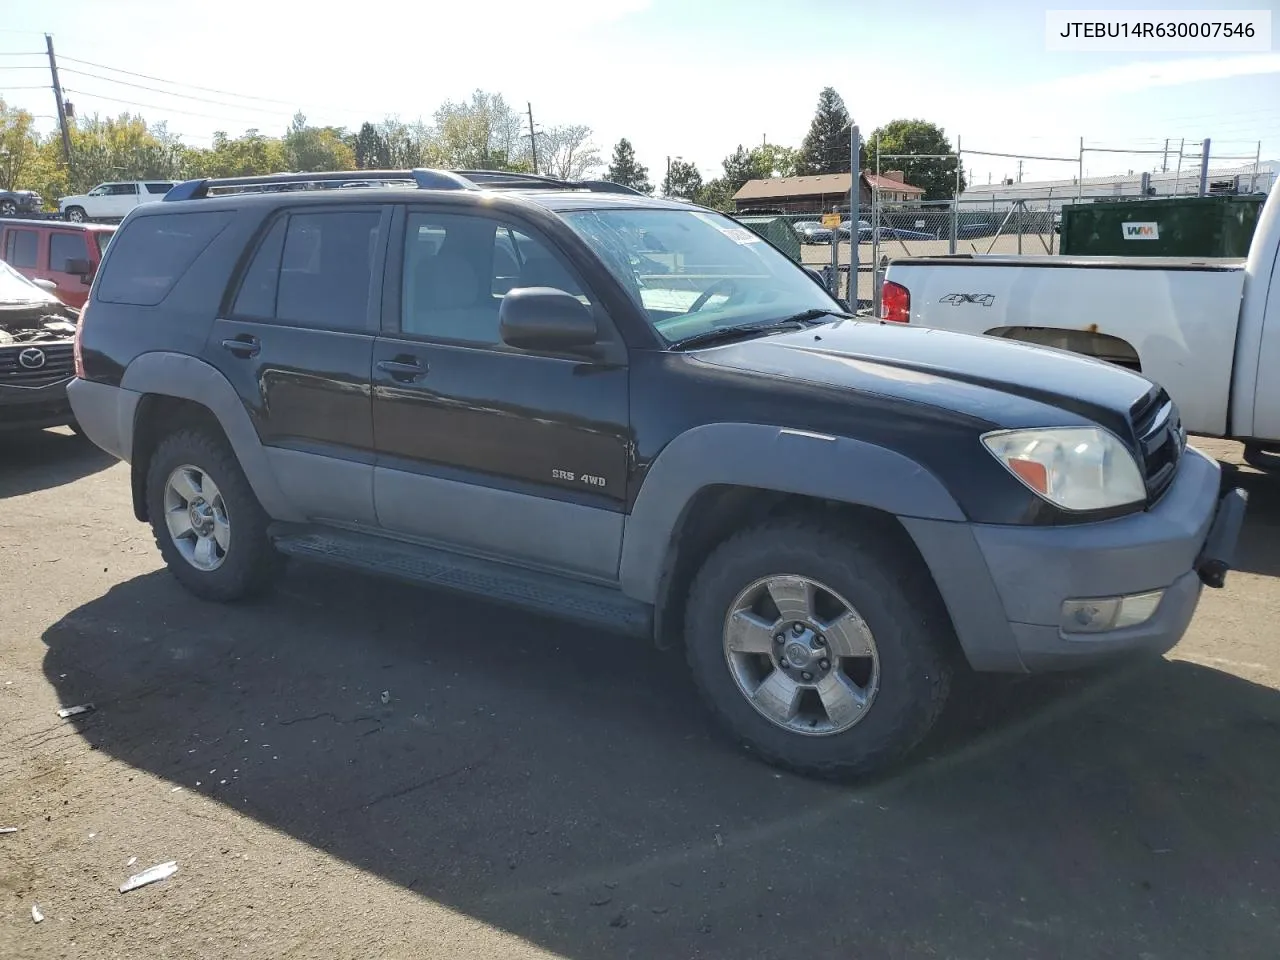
20, 248
151, 254
325, 269
257, 297
64, 247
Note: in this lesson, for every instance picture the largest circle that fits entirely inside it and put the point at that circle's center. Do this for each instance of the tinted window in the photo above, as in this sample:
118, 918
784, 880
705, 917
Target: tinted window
64, 247
257, 296
457, 269
325, 269
151, 254
160, 188
20, 248
122, 189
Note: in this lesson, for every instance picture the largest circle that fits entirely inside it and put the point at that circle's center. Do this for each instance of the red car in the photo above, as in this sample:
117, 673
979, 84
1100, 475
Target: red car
67, 254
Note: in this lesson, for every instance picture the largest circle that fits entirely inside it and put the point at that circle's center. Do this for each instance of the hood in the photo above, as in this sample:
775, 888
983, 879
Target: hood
1005, 383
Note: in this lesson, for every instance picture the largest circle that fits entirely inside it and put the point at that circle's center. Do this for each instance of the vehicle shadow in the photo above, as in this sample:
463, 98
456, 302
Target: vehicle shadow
40, 459
1259, 548
566, 786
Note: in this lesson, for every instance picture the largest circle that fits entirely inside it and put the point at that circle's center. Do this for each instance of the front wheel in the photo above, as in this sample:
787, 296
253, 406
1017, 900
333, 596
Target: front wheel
824, 654
208, 524
76, 214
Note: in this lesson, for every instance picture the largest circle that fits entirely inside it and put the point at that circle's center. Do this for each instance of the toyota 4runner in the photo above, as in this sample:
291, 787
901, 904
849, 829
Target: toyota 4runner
640, 415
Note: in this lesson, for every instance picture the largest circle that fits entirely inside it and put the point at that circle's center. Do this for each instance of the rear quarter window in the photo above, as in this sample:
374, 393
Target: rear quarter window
151, 254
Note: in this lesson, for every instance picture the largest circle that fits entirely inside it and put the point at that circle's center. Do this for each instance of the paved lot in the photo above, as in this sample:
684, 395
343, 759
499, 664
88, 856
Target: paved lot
536, 790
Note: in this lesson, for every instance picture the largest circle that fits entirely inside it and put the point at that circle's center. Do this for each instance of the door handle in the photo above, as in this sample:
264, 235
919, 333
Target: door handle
405, 370
243, 345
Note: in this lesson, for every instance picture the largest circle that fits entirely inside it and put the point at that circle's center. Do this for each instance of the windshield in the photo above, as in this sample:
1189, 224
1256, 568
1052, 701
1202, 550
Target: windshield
15, 288
693, 270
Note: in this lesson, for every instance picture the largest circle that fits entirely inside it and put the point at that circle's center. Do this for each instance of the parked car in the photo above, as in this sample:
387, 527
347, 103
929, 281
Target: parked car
36, 331
1208, 331
902, 233
16, 202
67, 254
829, 514
112, 201
810, 231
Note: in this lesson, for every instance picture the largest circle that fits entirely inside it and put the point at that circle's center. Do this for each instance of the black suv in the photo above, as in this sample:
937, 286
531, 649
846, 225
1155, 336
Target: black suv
640, 415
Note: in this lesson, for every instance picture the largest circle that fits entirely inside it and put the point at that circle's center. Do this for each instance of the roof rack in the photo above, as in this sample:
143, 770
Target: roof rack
423, 179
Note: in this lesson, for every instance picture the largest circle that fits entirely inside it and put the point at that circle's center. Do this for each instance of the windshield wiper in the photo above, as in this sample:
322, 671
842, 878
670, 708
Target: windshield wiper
795, 322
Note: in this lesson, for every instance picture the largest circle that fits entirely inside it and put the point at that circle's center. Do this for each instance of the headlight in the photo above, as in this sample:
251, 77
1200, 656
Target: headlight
1075, 468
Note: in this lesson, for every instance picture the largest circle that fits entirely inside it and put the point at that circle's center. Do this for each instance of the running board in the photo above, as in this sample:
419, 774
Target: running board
560, 597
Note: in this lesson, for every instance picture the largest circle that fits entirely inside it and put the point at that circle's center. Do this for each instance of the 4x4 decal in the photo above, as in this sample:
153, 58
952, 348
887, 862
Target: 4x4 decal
955, 299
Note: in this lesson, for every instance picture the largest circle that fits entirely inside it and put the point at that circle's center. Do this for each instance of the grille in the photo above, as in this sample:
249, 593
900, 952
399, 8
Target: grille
1161, 439
59, 364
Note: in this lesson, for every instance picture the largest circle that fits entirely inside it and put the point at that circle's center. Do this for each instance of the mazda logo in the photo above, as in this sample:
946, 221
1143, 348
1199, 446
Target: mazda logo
32, 358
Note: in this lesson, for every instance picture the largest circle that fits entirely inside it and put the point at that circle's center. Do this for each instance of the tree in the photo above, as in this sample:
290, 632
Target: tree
937, 177
483, 134
682, 181
567, 152
371, 149
625, 169
19, 145
317, 148
826, 145
774, 160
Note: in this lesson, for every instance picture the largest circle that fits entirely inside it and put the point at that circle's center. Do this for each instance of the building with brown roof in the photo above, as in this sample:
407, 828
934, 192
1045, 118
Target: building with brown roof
822, 192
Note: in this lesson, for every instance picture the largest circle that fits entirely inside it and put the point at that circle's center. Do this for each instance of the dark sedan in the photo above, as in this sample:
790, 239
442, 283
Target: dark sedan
810, 231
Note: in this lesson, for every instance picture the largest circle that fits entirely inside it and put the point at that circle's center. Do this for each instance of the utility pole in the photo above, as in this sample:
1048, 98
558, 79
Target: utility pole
855, 235
1177, 177
1019, 171
57, 92
955, 203
533, 138
1253, 176
1204, 168
1164, 162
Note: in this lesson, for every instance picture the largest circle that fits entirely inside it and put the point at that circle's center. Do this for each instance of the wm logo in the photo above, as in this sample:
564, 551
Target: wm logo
982, 299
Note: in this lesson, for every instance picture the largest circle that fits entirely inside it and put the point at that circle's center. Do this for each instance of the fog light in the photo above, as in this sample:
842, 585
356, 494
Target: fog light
1109, 613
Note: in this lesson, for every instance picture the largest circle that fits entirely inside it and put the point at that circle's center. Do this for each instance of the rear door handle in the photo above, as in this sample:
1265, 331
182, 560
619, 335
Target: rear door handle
244, 345
404, 370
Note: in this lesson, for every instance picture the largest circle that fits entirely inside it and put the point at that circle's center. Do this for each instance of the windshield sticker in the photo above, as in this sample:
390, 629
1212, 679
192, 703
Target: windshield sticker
736, 234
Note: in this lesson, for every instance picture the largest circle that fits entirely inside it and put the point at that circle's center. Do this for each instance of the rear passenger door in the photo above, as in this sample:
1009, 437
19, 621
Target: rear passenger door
64, 245
121, 198
483, 447
296, 341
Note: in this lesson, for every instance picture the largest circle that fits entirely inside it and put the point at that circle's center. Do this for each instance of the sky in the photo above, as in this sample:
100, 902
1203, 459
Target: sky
678, 78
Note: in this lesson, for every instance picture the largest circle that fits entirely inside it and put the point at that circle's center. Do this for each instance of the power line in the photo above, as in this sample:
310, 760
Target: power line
167, 93
38, 86
152, 106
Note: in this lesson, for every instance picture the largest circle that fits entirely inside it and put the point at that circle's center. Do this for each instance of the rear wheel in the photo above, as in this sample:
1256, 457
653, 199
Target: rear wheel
208, 524
824, 655
76, 214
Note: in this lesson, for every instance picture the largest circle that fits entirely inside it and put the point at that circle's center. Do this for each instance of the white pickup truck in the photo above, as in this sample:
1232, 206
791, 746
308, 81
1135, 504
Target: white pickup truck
1208, 331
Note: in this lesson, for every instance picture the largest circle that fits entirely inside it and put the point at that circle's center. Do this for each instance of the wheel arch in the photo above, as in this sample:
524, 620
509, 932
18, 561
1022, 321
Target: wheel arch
180, 390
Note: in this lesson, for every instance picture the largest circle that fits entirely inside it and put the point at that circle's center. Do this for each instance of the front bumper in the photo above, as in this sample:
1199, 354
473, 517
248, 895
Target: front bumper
1005, 585
32, 408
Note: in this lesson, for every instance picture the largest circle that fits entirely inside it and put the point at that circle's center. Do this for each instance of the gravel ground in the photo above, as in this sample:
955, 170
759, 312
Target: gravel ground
354, 768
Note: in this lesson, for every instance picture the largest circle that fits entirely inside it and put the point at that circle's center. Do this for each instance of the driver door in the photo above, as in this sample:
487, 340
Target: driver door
480, 446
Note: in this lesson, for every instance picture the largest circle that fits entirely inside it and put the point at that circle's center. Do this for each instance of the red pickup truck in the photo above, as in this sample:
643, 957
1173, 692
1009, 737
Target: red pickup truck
67, 254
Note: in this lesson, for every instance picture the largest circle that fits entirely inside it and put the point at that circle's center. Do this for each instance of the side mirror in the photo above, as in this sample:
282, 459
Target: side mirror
47, 285
78, 266
543, 318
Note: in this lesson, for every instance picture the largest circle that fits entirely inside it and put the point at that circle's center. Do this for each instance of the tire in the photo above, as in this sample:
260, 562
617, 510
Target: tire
912, 640
76, 215
8, 208
1260, 458
249, 565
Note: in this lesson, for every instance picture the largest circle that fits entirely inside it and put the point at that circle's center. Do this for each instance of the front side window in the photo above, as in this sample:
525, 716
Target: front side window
325, 269
457, 269
20, 248
64, 247
692, 271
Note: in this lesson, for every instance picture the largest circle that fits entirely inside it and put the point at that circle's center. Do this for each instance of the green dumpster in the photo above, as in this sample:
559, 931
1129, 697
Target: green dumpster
1166, 227
778, 231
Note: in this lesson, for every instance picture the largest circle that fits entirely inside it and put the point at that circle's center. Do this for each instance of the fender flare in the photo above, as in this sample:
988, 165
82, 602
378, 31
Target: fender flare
187, 378
769, 458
